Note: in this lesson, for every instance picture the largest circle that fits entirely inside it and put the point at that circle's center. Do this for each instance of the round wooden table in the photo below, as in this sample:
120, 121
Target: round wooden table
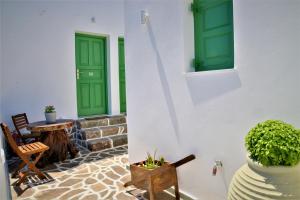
56, 137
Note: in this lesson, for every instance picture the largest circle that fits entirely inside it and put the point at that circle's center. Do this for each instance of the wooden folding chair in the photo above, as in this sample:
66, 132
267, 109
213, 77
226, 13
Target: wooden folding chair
25, 152
20, 121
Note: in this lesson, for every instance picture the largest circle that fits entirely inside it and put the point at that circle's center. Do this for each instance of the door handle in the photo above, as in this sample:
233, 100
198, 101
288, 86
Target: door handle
78, 73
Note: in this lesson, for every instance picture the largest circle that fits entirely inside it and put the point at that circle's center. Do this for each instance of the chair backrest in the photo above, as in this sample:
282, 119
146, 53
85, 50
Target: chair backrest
10, 139
20, 121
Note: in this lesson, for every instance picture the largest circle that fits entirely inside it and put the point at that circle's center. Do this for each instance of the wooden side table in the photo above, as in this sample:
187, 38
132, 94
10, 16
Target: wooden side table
56, 137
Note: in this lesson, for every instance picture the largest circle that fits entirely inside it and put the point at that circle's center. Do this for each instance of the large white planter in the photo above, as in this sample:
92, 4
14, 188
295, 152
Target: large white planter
254, 181
50, 117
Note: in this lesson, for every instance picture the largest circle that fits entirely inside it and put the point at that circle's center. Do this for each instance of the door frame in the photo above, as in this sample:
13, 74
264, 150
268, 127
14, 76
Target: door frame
106, 61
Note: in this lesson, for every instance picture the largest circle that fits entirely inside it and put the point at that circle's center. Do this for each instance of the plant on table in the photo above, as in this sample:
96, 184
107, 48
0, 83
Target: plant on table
49, 109
50, 114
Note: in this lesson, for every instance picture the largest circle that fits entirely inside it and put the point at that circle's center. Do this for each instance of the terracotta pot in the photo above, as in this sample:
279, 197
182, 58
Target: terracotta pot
50, 117
254, 181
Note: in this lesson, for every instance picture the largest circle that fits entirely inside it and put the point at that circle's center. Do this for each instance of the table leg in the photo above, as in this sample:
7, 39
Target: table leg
72, 149
59, 145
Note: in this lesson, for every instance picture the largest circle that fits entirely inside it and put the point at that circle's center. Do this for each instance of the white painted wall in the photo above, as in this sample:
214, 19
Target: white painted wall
208, 113
39, 53
4, 189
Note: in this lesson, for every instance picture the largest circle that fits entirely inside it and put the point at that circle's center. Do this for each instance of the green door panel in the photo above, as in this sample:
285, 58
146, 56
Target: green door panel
85, 95
213, 34
122, 83
91, 75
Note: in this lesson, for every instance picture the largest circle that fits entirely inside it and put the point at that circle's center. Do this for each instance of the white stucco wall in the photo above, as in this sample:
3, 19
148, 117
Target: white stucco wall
208, 113
39, 58
4, 189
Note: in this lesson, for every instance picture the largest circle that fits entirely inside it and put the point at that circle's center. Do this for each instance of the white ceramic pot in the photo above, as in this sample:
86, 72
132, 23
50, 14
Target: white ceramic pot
254, 181
50, 117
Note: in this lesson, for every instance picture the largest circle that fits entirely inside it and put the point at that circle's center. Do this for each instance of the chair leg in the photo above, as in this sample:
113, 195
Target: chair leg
38, 157
22, 178
32, 166
21, 165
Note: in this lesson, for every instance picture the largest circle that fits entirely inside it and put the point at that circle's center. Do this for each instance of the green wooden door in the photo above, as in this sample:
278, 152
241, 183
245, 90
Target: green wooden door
91, 75
122, 83
213, 34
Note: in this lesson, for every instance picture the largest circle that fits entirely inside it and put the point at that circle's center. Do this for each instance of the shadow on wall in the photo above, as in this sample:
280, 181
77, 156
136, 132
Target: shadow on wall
164, 82
209, 85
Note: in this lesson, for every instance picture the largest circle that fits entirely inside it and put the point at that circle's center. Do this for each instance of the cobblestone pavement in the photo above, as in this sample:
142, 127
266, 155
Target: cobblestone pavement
91, 175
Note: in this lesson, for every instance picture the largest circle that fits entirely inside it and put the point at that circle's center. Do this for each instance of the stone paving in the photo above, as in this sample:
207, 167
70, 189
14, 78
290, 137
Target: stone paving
91, 175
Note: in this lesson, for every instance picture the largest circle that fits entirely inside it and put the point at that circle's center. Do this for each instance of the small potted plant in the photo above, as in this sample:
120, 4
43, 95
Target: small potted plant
151, 163
272, 170
50, 114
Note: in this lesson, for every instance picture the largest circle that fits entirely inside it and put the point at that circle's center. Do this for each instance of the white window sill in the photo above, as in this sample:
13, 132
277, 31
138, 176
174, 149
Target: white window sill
210, 72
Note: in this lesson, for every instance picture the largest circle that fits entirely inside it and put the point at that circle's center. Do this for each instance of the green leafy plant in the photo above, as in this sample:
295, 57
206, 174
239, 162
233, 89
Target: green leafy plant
49, 109
151, 163
274, 143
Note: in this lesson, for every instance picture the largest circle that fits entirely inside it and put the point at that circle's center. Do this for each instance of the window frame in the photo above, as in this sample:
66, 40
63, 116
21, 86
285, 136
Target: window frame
198, 61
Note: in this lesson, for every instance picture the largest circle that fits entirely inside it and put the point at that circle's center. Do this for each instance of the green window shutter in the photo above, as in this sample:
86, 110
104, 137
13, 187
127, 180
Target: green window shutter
213, 28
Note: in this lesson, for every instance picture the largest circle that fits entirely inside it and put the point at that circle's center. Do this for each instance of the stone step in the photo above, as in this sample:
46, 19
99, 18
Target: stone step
100, 132
106, 143
101, 121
